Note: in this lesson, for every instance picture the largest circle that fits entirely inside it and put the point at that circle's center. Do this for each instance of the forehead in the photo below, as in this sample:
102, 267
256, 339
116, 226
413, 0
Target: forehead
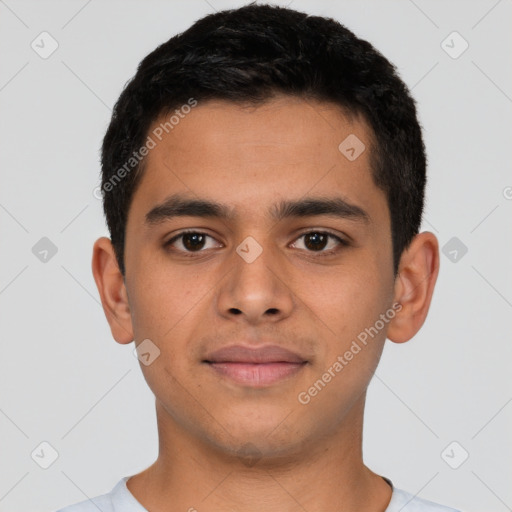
253, 156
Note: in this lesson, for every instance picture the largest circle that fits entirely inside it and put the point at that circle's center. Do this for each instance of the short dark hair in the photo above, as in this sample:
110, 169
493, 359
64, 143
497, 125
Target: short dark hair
250, 55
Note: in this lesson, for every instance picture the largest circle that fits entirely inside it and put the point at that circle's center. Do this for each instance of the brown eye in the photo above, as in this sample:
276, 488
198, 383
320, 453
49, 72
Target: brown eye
193, 241
317, 241
190, 242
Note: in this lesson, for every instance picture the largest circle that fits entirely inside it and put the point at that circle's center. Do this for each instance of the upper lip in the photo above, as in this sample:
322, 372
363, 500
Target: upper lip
244, 354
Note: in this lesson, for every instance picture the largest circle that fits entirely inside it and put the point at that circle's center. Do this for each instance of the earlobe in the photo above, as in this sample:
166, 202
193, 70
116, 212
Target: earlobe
112, 290
414, 286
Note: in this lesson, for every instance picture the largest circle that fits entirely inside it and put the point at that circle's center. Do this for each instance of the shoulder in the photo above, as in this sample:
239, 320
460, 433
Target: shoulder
103, 503
406, 502
119, 499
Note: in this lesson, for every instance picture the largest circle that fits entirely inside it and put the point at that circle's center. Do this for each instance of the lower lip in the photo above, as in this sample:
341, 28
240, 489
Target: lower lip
257, 374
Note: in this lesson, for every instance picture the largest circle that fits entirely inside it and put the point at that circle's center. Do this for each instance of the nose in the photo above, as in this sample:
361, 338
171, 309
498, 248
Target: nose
255, 291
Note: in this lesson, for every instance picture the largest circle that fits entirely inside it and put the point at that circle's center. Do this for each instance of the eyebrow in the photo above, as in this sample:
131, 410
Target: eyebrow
180, 206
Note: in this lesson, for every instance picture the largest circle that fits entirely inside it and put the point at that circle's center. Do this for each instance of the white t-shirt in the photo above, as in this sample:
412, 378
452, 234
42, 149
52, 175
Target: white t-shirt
120, 499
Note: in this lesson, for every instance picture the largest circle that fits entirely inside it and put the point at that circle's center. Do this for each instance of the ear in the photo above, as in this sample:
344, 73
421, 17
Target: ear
112, 289
414, 286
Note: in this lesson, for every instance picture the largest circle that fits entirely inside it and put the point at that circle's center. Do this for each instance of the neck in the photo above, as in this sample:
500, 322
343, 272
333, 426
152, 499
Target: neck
328, 475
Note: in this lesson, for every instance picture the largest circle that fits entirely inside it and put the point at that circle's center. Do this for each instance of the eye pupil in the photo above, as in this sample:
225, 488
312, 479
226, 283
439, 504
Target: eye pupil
193, 240
315, 238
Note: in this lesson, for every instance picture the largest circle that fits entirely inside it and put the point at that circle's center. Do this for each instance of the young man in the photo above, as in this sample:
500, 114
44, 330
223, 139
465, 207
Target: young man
263, 184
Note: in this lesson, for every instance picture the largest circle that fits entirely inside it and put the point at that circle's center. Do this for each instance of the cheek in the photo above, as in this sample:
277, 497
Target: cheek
345, 310
346, 297
163, 297
167, 309
348, 355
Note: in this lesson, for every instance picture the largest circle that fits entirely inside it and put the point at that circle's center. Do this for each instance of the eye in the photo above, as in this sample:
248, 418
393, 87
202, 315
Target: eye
314, 241
317, 241
190, 241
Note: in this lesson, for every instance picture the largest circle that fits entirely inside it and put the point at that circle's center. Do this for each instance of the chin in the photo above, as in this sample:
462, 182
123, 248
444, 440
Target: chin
270, 442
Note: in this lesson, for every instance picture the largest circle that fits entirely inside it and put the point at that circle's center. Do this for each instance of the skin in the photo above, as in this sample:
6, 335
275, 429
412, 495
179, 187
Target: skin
306, 457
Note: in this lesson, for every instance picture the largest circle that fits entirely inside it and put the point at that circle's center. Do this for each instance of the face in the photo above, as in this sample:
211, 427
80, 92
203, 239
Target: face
309, 279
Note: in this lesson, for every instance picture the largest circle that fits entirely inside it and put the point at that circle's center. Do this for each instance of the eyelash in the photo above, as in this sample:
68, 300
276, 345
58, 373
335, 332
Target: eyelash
322, 253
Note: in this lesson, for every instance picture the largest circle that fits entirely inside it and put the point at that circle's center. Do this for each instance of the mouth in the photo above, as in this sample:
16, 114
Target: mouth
255, 367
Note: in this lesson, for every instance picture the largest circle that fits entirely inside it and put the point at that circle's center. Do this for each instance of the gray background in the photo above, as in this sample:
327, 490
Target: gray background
64, 380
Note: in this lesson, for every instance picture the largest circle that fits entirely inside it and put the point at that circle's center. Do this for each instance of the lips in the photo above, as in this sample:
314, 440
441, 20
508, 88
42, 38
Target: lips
266, 354
255, 367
